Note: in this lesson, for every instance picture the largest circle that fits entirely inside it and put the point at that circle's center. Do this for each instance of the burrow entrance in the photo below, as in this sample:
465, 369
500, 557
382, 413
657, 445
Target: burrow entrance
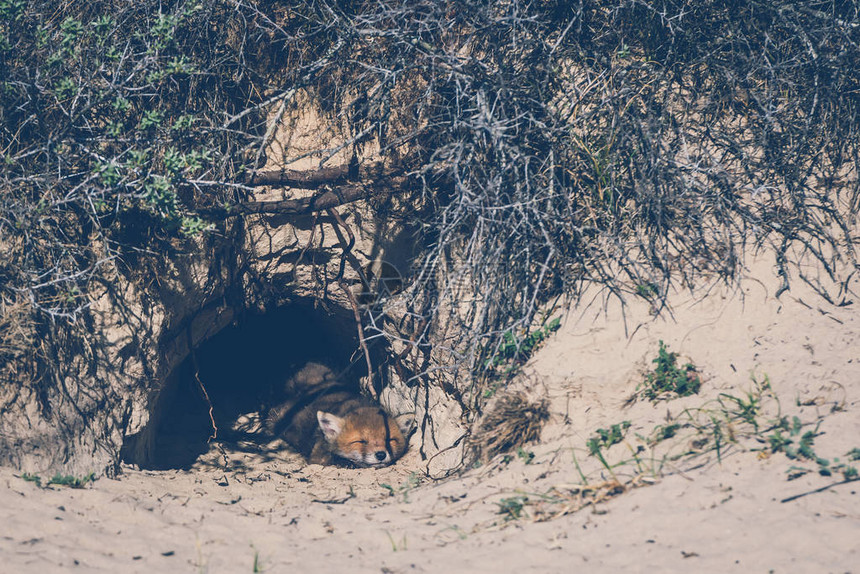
243, 369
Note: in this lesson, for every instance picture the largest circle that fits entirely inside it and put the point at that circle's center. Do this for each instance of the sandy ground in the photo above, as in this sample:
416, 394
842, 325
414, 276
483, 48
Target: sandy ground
700, 512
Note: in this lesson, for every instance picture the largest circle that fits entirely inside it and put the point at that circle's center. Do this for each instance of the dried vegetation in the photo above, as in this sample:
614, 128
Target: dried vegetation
533, 146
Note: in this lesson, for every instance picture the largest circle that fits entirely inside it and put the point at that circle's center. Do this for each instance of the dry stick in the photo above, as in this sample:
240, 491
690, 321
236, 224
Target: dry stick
346, 246
401, 356
196, 369
324, 199
361, 340
817, 490
214, 434
306, 247
400, 368
313, 178
273, 126
426, 419
339, 225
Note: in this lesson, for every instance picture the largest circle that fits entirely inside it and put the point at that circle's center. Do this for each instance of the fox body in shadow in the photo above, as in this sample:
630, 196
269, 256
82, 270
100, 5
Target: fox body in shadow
330, 423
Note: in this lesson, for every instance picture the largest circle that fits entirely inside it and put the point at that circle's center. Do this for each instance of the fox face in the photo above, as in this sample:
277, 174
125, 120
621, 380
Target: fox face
365, 437
329, 422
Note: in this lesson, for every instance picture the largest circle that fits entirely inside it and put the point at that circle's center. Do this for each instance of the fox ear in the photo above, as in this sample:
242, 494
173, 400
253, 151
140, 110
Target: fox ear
330, 425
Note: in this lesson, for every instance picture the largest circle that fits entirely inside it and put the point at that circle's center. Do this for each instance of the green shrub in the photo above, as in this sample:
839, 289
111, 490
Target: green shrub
668, 380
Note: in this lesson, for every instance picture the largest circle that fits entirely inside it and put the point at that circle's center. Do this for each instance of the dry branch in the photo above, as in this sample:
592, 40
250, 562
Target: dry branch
312, 179
327, 199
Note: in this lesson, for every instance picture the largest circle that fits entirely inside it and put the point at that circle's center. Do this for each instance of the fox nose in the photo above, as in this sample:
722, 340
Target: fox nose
380, 455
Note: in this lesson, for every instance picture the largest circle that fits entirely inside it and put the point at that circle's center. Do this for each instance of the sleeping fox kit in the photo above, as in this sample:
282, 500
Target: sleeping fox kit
330, 423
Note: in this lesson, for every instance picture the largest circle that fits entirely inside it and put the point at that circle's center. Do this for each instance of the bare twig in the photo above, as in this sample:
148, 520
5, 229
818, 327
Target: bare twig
817, 490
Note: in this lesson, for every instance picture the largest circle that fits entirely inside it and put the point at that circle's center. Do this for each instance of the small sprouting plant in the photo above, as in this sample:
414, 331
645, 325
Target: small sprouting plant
512, 508
71, 29
151, 118
605, 438
410, 484
163, 31
848, 471
137, 158
161, 197
526, 456
183, 122
665, 432
512, 348
172, 161
745, 408
102, 25
34, 478
65, 89
11, 10
491, 390
792, 446
397, 545
121, 104
193, 226
72, 481
61, 480
668, 379
514, 351
108, 173
648, 290
114, 129
801, 448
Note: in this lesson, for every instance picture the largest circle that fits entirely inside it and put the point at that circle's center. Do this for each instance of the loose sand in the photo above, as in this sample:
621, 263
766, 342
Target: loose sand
704, 513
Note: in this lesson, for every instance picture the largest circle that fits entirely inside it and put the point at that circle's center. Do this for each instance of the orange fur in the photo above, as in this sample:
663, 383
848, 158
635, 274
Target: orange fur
330, 423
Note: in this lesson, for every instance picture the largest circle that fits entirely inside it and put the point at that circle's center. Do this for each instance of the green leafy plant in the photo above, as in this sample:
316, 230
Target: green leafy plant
665, 432
514, 351
512, 508
799, 447
65, 88
11, 10
410, 484
613, 435
193, 226
150, 119
72, 481
526, 456
61, 480
668, 380
34, 478
648, 290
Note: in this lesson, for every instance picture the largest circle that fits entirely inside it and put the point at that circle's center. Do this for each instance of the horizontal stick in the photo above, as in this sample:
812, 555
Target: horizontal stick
313, 178
318, 202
